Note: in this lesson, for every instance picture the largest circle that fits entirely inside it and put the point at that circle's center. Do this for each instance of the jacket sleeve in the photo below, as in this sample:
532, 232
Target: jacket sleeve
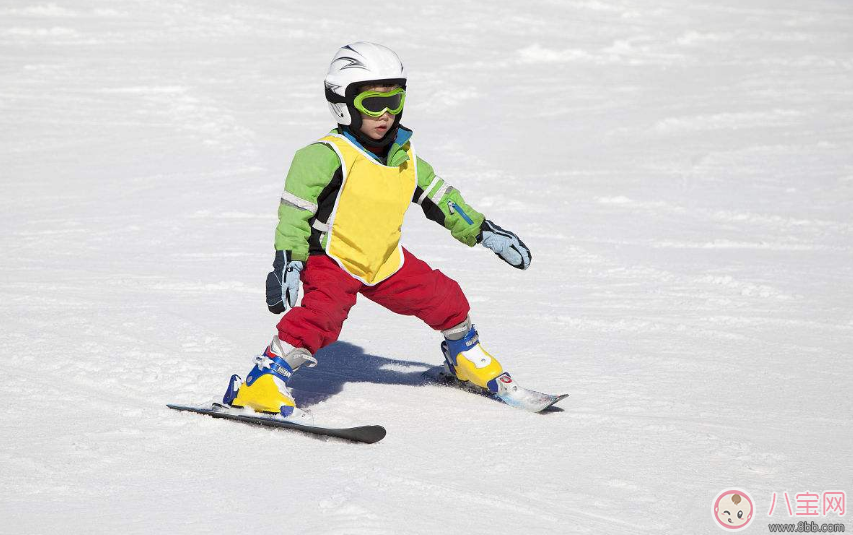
444, 204
311, 171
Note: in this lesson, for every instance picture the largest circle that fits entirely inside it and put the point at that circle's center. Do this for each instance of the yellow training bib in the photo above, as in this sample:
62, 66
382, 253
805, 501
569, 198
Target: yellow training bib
365, 225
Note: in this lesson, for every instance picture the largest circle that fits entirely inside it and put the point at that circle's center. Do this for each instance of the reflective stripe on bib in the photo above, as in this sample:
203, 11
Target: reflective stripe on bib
365, 225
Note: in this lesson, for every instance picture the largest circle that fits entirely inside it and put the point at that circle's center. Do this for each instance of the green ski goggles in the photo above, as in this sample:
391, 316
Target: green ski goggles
376, 103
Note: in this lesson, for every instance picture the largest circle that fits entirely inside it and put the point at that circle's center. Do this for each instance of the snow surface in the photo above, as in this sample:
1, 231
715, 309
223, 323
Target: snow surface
682, 171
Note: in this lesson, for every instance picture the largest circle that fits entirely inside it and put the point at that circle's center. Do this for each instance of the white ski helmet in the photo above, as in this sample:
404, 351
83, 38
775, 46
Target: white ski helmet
354, 65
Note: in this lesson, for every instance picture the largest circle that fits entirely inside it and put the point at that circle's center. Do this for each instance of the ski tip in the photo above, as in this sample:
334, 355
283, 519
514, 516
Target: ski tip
550, 407
370, 434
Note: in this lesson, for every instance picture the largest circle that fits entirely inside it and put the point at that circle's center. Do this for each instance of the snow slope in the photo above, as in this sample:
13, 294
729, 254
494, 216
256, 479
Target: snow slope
682, 171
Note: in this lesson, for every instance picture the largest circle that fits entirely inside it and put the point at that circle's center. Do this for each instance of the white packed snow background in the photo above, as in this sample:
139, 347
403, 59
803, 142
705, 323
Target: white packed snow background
681, 170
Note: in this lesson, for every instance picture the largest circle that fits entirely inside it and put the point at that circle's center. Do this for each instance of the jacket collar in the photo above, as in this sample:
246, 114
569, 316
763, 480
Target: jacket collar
396, 156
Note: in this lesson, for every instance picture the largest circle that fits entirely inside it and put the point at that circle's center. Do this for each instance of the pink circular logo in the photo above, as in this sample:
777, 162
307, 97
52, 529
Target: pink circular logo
733, 509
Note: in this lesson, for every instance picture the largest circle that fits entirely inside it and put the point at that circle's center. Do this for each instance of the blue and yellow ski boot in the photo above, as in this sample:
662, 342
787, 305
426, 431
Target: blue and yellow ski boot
467, 361
467, 365
265, 389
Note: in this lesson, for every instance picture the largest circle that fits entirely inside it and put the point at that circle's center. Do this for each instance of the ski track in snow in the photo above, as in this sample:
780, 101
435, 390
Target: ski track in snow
682, 171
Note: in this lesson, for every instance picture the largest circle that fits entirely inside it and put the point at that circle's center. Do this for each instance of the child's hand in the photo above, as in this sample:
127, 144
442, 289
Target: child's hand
283, 282
506, 245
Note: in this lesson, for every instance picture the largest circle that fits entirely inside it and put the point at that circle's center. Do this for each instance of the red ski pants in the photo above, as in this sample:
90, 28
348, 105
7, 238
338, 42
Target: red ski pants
329, 292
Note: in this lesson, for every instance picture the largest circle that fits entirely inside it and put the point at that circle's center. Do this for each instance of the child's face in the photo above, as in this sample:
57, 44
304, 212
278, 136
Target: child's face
376, 127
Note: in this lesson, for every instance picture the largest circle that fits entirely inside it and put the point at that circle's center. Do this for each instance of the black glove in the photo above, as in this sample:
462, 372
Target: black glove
283, 282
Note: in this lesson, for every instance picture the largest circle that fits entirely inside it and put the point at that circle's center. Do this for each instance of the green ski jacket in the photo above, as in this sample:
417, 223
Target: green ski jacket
314, 181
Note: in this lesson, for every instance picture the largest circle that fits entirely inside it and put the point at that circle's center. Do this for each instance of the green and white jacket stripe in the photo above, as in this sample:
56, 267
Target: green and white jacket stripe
312, 186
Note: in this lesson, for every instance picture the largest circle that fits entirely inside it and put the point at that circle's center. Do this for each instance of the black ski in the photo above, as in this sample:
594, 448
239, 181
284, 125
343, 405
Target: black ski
364, 433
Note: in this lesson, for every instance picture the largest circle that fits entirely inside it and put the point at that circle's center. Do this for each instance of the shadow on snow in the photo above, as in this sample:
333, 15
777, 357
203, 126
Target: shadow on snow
342, 363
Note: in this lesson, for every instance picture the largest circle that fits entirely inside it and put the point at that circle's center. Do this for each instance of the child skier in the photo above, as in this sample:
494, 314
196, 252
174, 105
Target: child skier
340, 220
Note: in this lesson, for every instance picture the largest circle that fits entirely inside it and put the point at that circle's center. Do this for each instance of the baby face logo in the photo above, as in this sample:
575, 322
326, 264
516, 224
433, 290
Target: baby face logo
733, 509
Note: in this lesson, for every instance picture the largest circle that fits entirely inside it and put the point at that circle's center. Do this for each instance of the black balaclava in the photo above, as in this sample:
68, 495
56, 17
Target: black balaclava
354, 128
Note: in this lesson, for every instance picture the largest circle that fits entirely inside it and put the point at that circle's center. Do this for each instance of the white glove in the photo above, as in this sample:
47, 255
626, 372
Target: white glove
506, 245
